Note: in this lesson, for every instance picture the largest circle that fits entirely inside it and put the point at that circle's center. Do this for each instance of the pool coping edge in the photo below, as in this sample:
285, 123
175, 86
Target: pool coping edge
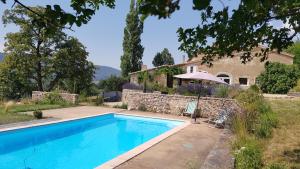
117, 161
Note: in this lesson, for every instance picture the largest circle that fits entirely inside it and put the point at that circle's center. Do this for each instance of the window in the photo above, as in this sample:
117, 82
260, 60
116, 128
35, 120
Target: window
243, 81
191, 69
224, 77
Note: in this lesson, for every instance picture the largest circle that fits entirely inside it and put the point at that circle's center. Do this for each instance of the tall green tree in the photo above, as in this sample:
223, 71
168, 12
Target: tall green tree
295, 50
43, 58
163, 58
131, 60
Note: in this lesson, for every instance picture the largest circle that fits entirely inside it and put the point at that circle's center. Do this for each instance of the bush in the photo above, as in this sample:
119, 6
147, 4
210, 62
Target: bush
266, 123
38, 114
222, 91
255, 88
142, 107
249, 157
278, 78
99, 101
276, 166
297, 87
122, 106
54, 98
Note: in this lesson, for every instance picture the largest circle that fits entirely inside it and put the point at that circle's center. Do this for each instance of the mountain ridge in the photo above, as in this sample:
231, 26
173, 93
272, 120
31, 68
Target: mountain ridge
101, 72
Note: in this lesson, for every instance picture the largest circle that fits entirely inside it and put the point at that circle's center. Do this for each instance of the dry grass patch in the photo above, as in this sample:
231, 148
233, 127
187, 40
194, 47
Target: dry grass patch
284, 146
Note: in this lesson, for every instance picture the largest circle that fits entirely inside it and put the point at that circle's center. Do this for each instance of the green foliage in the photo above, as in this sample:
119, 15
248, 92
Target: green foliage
297, 87
266, 123
220, 32
276, 166
278, 78
131, 60
223, 31
99, 101
163, 58
222, 91
249, 156
113, 83
54, 16
295, 50
169, 70
254, 88
122, 106
54, 98
38, 114
40, 61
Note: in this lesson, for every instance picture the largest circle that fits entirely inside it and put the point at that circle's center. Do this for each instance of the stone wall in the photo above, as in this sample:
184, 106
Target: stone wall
39, 95
174, 104
294, 94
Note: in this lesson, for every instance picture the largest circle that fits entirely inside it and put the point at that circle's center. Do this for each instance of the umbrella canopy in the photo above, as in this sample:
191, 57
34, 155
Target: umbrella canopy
200, 76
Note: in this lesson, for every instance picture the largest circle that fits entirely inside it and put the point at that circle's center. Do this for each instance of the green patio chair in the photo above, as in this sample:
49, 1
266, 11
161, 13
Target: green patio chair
190, 108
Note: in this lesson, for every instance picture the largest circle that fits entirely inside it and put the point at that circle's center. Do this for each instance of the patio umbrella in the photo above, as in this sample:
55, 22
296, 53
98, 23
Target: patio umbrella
202, 76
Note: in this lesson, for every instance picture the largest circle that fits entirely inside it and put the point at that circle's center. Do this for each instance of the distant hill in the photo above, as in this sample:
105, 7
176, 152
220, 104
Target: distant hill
1, 56
103, 72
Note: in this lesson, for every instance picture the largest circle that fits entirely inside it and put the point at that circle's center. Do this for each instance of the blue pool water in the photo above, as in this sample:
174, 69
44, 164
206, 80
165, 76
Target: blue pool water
81, 144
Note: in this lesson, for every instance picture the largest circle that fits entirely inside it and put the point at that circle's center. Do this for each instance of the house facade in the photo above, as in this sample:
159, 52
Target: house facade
231, 70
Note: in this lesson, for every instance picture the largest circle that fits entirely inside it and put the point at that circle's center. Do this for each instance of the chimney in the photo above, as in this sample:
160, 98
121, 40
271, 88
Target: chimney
183, 58
144, 67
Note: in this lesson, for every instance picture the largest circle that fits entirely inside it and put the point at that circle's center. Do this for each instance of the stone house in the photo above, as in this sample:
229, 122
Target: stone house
231, 70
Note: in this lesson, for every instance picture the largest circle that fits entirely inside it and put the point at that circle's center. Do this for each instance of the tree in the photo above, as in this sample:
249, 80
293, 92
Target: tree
278, 78
113, 83
131, 60
44, 59
221, 30
295, 50
163, 58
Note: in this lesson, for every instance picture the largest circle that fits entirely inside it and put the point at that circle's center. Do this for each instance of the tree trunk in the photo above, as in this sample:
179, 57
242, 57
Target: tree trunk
39, 67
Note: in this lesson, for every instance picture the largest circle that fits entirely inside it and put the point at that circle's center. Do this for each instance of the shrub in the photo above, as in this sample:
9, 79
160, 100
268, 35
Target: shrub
99, 101
278, 78
297, 87
276, 166
222, 91
122, 106
249, 157
53, 98
267, 121
38, 114
254, 88
142, 107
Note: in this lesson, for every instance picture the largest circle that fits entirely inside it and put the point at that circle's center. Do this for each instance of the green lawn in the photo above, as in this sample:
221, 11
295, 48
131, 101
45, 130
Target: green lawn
13, 116
284, 146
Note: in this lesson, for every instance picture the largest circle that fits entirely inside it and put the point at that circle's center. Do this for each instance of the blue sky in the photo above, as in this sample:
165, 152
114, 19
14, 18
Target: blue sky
103, 35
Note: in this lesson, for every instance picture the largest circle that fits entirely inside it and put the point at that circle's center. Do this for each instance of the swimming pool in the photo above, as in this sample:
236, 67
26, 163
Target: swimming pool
82, 144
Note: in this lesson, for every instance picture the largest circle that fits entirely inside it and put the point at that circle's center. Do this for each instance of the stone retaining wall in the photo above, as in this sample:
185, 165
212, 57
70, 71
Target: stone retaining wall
294, 94
39, 95
174, 104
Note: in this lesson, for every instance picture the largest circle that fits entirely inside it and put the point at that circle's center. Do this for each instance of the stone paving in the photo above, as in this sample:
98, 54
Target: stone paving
188, 148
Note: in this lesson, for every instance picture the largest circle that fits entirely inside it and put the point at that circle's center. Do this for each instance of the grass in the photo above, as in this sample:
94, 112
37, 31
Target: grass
284, 146
12, 115
6, 118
